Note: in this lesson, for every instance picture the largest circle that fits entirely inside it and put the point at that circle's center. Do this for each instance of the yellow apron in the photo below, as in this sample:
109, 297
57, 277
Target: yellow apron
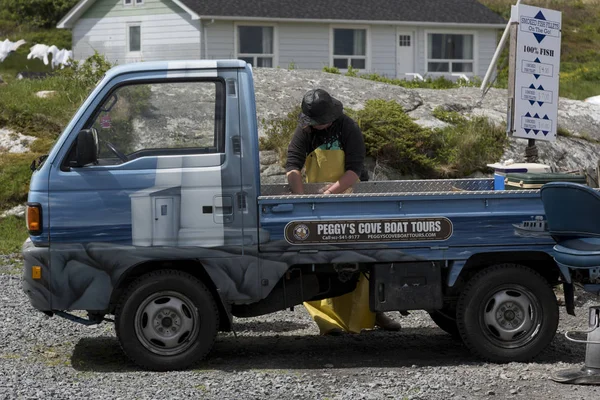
349, 312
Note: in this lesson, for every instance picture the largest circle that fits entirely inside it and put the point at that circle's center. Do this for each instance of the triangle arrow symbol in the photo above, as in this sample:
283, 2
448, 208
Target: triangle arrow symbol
545, 132
545, 116
541, 87
531, 86
528, 115
540, 15
527, 130
536, 76
536, 116
537, 60
539, 37
540, 103
532, 102
535, 131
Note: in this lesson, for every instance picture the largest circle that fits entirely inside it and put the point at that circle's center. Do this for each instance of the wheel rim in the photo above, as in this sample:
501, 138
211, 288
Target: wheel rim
167, 323
511, 316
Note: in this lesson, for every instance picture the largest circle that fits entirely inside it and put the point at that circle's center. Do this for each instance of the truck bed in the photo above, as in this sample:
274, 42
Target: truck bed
480, 217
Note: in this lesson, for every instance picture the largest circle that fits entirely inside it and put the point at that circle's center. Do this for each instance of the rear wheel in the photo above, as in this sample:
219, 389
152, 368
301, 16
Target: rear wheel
445, 319
167, 320
507, 313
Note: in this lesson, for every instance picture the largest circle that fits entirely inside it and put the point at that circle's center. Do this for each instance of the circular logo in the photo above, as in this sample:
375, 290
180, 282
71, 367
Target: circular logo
301, 232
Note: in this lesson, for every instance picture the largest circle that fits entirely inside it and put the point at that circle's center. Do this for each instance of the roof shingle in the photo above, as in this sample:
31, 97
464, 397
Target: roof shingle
441, 11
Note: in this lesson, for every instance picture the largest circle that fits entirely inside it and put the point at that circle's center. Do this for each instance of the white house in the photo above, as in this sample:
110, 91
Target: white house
389, 37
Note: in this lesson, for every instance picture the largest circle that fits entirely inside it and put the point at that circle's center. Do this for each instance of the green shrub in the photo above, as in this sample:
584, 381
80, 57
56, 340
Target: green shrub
352, 72
393, 138
468, 145
86, 74
331, 70
279, 132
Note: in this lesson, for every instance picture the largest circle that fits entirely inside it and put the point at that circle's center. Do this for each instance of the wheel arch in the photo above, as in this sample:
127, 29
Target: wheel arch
190, 266
539, 261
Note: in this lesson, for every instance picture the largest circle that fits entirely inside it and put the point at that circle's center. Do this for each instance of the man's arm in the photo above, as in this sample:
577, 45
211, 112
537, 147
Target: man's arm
347, 180
296, 156
294, 178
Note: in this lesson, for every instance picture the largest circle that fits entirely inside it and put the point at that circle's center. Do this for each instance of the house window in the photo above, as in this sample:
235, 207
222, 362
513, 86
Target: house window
127, 2
255, 45
404, 40
450, 53
349, 48
135, 38
133, 2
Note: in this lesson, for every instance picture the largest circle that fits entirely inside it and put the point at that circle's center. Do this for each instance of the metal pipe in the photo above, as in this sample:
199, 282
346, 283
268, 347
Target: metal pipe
499, 49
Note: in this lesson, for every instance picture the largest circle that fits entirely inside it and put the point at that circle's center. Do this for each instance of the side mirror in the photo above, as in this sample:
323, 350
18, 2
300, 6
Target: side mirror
86, 148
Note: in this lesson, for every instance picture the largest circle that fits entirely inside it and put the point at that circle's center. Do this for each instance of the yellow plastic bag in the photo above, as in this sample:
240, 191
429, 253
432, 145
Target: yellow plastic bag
349, 312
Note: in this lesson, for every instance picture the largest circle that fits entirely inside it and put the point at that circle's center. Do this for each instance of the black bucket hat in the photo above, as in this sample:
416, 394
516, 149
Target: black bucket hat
319, 108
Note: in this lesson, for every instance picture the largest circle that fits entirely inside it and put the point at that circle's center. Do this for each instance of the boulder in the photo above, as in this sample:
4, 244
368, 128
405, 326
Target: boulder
18, 211
44, 94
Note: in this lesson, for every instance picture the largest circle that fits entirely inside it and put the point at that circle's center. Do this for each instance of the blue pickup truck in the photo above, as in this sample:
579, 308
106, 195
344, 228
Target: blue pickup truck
150, 208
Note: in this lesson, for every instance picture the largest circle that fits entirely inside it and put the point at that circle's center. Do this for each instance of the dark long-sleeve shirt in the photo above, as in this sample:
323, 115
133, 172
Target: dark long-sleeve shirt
343, 134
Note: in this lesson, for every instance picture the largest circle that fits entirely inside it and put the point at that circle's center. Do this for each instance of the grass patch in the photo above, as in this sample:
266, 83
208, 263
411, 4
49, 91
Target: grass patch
428, 83
394, 139
23, 111
13, 234
14, 178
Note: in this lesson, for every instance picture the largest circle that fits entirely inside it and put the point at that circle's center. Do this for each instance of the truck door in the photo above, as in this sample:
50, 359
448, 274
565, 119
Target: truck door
165, 184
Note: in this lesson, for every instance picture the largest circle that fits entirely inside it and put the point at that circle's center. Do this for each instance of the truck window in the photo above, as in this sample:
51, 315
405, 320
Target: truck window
161, 119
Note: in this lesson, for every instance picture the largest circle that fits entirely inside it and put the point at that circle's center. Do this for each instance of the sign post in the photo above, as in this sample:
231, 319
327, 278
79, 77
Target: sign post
534, 75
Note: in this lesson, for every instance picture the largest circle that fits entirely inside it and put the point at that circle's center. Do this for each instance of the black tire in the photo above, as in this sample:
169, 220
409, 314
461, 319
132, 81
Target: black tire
507, 313
443, 319
167, 320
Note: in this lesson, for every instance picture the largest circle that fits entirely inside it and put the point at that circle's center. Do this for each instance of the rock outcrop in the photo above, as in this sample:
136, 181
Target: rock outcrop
12, 142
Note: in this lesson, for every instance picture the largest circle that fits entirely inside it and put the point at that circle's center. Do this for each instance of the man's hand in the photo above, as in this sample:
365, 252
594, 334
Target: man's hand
294, 178
346, 181
326, 190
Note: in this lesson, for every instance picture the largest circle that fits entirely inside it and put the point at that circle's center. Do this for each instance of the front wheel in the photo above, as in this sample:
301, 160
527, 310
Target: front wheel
507, 313
167, 320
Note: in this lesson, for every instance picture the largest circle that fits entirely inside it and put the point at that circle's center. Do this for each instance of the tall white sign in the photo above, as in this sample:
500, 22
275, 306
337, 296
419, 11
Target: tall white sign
536, 72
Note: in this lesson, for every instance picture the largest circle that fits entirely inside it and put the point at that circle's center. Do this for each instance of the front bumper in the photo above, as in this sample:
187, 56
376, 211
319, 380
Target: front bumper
38, 290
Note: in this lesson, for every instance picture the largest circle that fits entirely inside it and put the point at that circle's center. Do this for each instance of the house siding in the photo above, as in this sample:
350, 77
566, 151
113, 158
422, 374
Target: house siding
219, 40
306, 46
488, 41
383, 50
163, 37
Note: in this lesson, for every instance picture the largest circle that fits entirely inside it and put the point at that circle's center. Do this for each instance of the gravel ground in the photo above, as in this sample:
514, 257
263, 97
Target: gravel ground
276, 356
